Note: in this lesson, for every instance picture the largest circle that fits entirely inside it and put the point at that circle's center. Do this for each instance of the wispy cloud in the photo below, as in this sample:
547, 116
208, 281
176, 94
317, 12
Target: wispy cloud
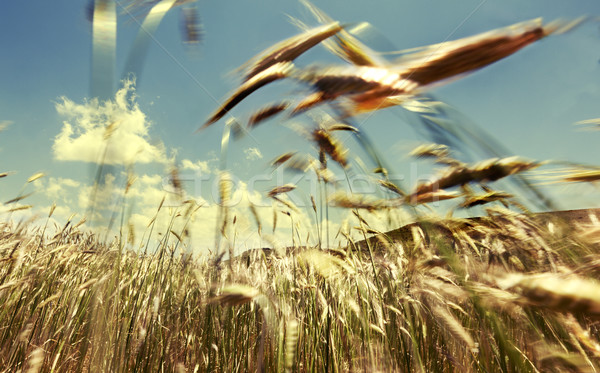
150, 190
198, 166
111, 132
4, 124
253, 154
59, 187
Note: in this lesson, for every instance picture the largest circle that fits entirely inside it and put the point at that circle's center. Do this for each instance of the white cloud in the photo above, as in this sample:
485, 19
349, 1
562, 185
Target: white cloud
112, 132
150, 179
198, 166
141, 202
56, 187
4, 124
101, 196
203, 224
253, 154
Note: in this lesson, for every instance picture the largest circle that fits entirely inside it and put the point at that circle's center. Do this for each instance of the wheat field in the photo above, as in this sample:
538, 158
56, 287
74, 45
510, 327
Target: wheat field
507, 291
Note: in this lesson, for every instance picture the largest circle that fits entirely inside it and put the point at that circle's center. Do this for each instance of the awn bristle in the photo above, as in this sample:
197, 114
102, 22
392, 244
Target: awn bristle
300, 163
291, 340
276, 72
367, 87
281, 189
267, 113
430, 151
192, 26
17, 199
391, 187
482, 199
34, 177
282, 159
331, 146
431, 196
225, 187
175, 181
354, 201
489, 170
561, 293
342, 127
439, 62
290, 49
287, 204
256, 218
454, 326
591, 123
588, 176
235, 295
344, 45
36, 360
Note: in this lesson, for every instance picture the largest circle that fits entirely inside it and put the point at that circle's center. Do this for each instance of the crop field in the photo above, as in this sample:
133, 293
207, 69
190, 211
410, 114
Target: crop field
487, 284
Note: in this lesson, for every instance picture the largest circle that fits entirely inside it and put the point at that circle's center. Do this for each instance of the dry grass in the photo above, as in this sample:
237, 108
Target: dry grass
507, 292
504, 294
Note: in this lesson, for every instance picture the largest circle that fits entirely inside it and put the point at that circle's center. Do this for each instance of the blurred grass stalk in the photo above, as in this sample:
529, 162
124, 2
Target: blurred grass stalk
505, 292
104, 48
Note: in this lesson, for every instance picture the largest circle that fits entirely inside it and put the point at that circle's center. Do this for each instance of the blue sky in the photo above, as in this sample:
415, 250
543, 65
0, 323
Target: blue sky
528, 101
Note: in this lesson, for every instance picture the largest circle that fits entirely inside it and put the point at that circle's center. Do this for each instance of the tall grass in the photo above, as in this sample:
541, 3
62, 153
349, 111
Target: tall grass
509, 292
504, 294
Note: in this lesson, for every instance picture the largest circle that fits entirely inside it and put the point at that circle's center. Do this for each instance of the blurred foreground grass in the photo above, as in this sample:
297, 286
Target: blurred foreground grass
505, 293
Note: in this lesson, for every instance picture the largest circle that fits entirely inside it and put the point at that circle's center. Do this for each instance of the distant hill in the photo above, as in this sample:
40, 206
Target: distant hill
475, 227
